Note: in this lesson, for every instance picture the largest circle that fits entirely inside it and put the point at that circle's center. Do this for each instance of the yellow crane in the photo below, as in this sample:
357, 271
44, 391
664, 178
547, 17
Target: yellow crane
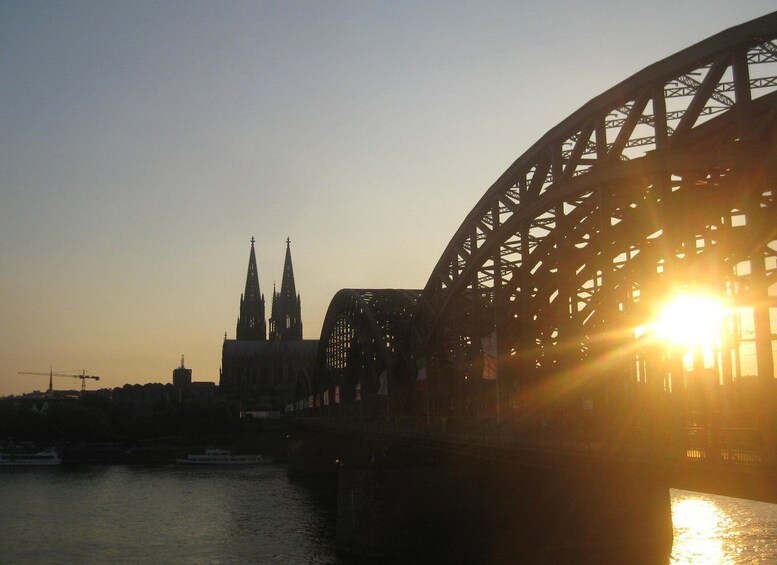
51, 374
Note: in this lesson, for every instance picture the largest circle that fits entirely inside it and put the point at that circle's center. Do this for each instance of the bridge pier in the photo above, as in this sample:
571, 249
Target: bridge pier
478, 511
435, 502
312, 454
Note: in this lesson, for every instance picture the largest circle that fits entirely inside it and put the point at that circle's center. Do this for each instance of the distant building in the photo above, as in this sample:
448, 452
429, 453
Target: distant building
187, 389
182, 377
263, 374
203, 390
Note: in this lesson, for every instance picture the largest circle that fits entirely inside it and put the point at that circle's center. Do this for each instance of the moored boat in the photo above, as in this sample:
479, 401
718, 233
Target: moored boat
19, 458
214, 456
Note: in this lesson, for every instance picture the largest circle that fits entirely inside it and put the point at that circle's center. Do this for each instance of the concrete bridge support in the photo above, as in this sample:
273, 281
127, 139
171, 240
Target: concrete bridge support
477, 511
312, 454
414, 502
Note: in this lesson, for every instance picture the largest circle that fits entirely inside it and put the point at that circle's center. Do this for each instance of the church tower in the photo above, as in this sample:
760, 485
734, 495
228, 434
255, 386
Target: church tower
250, 324
286, 318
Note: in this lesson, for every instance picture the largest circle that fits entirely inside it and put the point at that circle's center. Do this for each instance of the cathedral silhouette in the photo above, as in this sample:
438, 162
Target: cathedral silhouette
260, 372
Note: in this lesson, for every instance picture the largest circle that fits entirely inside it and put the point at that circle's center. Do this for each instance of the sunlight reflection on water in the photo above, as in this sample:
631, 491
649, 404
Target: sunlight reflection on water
711, 529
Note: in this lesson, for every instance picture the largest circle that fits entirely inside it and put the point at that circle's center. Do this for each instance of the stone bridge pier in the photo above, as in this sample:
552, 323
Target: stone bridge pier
416, 503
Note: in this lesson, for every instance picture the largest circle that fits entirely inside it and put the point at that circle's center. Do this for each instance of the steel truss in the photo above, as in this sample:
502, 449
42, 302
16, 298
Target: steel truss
665, 181
365, 334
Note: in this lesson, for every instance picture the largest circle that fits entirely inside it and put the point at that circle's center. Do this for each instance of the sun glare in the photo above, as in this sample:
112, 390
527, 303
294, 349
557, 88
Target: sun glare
697, 531
691, 320
700, 516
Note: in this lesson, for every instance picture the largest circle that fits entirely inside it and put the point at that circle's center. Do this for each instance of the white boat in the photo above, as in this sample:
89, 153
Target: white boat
214, 456
18, 458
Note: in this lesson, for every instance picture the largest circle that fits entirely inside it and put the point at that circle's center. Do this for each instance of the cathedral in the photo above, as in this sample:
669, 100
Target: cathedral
261, 371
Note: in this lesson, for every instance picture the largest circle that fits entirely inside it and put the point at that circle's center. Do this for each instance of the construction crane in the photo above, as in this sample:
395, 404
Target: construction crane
51, 374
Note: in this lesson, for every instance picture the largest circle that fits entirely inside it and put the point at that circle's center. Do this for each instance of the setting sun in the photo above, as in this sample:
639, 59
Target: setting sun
691, 320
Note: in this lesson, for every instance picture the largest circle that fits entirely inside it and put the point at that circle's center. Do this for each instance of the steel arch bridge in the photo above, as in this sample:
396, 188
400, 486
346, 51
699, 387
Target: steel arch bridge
363, 344
663, 184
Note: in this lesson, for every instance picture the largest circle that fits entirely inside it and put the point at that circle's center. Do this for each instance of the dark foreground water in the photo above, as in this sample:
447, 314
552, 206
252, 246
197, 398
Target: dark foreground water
171, 514
174, 514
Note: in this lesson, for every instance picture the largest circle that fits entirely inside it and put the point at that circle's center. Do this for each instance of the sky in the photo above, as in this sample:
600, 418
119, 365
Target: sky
143, 144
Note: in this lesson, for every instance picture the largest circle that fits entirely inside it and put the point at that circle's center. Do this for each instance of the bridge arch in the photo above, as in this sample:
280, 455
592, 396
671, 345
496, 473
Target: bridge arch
666, 181
362, 348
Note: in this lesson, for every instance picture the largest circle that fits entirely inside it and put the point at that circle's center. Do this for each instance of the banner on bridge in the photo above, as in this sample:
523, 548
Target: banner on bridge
489, 356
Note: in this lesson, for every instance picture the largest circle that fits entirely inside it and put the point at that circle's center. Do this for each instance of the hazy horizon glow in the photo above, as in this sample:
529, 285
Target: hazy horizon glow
143, 144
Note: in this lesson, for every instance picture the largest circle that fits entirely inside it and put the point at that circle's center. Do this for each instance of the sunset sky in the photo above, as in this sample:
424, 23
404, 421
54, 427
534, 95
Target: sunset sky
143, 144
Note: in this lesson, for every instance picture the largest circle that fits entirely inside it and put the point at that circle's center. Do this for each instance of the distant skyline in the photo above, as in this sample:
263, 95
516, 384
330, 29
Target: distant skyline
143, 144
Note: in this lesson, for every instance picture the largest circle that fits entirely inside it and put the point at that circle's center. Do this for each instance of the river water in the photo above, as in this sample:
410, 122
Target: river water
134, 514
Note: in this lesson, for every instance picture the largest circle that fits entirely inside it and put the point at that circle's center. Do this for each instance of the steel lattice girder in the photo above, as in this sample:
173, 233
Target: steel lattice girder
654, 176
365, 331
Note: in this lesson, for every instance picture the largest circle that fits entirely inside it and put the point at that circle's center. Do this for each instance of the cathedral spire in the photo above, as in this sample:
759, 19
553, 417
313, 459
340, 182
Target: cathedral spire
250, 323
288, 287
286, 318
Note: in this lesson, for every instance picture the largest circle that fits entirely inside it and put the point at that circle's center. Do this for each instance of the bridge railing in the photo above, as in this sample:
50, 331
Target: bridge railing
731, 445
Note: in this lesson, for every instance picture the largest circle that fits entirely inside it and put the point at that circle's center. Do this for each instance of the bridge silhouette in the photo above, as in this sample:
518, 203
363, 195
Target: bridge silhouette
536, 340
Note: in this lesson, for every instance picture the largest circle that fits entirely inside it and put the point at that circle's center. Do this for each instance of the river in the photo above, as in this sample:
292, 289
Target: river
170, 514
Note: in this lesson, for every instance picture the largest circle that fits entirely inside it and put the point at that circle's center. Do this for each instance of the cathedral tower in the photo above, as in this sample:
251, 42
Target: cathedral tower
250, 323
286, 318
